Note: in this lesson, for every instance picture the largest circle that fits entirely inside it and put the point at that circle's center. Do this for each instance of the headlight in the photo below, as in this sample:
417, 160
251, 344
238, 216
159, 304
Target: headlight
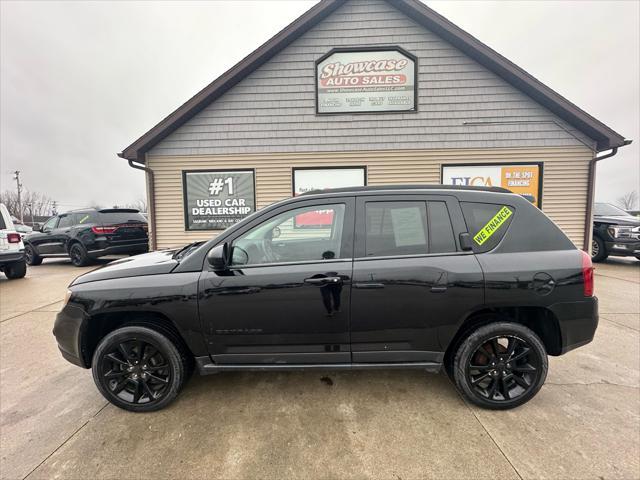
620, 232
67, 296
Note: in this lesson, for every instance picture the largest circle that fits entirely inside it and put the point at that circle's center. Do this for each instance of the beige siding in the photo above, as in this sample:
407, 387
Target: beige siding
564, 185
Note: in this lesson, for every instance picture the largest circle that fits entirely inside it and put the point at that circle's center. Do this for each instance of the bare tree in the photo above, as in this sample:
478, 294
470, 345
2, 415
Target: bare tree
140, 204
34, 203
628, 200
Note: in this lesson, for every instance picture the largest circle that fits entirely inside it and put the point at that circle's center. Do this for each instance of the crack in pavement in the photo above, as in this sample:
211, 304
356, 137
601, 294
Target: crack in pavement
30, 311
65, 442
603, 317
588, 384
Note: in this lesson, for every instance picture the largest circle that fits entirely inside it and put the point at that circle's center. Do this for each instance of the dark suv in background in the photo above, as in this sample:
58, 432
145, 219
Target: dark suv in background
473, 280
615, 232
83, 235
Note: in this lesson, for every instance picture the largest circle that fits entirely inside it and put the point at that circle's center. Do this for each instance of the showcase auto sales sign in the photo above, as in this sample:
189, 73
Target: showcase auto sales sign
366, 81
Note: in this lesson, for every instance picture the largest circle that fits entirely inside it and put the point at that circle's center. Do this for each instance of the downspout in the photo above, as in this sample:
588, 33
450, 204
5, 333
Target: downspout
152, 203
591, 190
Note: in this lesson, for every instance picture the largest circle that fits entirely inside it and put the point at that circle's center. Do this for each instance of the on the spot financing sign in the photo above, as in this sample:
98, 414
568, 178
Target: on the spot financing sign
215, 200
522, 179
366, 81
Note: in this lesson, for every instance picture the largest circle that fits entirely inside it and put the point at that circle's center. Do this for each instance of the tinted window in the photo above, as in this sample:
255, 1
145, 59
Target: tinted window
440, 229
112, 218
3, 226
84, 218
50, 225
606, 209
487, 223
302, 234
395, 228
65, 221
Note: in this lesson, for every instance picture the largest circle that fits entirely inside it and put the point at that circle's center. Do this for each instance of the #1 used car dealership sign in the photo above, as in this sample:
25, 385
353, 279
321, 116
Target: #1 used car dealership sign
352, 81
215, 200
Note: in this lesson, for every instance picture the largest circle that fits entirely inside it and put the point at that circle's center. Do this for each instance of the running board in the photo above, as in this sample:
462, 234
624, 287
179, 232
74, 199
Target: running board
206, 367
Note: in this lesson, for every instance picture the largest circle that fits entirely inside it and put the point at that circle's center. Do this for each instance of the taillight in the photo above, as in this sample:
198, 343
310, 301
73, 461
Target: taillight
587, 274
103, 230
13, 237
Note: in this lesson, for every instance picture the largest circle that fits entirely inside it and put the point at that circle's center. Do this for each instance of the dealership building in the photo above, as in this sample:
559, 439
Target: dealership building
367, 92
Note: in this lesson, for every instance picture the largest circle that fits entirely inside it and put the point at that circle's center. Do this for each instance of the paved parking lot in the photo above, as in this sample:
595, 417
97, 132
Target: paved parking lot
585, 422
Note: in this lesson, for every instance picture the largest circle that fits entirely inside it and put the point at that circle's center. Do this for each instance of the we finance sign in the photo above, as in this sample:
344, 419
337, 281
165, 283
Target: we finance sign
352, 81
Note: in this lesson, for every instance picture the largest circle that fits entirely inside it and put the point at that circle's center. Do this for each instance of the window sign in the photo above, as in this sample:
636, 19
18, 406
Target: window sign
523, 179
215, 200
375, 80
308, 180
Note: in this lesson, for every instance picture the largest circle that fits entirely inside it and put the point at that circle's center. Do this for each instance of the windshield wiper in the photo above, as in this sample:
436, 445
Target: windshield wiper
185, 250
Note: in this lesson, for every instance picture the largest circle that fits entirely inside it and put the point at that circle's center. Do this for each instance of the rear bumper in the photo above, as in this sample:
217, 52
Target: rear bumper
578, 322
129, 248
623, 247
13, 257
69, 330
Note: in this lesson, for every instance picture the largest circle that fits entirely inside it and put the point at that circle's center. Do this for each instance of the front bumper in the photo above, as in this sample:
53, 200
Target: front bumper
623, 247
578, 322
69, 330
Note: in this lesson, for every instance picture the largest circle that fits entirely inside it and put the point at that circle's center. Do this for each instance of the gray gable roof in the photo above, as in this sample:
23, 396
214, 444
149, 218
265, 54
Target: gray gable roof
604, 136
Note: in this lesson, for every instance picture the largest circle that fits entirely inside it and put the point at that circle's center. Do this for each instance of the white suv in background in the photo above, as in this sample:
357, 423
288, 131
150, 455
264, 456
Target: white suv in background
12, 261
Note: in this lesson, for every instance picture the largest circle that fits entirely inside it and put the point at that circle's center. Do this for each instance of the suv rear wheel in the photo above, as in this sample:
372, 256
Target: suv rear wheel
78, 255
138, 369
501, 365
15, 270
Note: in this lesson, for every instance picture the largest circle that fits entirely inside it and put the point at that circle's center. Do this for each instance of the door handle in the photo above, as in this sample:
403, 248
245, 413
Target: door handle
438, 289
323, 280
368, 286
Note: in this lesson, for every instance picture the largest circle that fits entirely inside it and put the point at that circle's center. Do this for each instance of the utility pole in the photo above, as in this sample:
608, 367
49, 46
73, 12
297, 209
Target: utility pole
19, 185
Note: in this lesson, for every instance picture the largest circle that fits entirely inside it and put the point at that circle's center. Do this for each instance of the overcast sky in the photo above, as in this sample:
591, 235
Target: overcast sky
81, 80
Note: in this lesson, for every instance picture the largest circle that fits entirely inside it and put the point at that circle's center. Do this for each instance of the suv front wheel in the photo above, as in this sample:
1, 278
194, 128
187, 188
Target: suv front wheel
598, 250
138, 369
500, 366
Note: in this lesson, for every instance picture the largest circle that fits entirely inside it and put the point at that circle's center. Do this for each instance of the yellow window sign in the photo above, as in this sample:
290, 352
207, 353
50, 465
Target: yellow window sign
492, 226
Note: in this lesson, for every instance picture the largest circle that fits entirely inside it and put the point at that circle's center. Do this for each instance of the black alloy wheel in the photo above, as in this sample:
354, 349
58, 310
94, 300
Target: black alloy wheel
501, 366
31, 257
138, 369
78, 255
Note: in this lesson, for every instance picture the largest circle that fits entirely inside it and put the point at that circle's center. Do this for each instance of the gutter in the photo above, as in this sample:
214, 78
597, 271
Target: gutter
591, 190
152, 203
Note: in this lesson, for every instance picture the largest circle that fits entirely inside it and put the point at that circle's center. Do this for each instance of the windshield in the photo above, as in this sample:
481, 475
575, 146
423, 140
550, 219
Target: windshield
608, 210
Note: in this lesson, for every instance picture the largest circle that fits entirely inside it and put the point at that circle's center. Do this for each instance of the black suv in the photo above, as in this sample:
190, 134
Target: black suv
87, 234
615, 232
475, 280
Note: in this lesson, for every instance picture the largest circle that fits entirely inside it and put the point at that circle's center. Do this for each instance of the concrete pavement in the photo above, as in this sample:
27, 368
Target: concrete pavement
585, 422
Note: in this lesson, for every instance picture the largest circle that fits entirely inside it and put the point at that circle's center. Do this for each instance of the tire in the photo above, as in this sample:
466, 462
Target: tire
78, 255
16, 270
146, 386
520, 373
598, 250
31, 256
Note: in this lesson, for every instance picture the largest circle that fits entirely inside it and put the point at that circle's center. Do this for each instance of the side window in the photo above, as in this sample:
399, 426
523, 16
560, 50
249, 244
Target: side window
441, 239
302, 234
82, 218
487, 223
395, 228
50, 224
66, 221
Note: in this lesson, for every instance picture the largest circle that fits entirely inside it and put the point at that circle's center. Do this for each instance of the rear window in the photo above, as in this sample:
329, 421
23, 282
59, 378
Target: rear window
113, 218
396, 228
441, 239
487, 223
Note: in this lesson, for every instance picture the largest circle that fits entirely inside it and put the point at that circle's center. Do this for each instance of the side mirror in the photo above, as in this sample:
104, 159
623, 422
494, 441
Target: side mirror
36, 227
465, 241
218, 257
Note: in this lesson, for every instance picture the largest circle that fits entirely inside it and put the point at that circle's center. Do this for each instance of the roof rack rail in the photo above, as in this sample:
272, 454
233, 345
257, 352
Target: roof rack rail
408, 187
